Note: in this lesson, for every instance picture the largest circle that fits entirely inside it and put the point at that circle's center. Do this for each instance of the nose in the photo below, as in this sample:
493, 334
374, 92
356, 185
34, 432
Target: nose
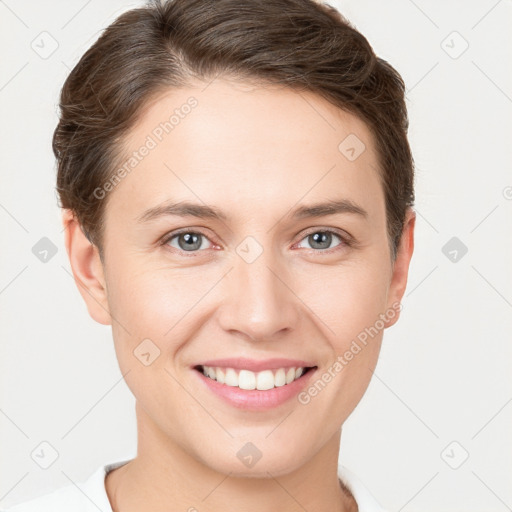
260, 304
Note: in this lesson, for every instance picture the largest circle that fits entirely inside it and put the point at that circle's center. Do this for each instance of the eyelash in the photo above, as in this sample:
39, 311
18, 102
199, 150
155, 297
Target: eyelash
346, 240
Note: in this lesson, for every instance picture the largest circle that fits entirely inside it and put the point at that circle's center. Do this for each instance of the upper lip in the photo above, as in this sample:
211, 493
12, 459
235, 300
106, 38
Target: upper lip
241, 363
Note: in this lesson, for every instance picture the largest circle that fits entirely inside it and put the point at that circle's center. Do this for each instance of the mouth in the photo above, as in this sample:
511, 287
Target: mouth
248, 380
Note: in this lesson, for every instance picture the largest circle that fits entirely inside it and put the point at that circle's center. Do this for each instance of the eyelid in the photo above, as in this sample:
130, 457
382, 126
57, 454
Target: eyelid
346, 239
169, 236
324, 229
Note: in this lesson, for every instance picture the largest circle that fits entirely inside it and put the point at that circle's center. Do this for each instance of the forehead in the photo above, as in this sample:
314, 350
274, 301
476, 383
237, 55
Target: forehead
250, 148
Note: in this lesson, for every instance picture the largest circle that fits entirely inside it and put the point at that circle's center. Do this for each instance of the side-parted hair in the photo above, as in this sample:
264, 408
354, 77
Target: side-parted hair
301, 44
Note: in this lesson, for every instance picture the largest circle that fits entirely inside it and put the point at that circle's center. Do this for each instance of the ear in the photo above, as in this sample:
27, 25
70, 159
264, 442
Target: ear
87, 269
401, 267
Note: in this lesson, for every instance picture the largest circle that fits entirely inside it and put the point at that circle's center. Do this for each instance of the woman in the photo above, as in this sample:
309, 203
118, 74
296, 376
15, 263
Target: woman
237, 190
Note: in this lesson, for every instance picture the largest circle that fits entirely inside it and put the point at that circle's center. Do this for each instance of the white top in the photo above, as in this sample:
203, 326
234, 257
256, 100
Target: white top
91, 495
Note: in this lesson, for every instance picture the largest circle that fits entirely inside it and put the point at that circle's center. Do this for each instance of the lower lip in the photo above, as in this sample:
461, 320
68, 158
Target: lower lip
254, 399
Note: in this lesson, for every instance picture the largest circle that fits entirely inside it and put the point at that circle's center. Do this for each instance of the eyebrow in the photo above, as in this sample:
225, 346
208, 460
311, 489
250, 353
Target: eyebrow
189, 209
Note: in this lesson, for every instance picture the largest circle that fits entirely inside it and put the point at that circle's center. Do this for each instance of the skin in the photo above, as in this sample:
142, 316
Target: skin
256, 153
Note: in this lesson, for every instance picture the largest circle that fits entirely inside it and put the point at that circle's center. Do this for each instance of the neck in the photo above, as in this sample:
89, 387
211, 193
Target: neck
164, 475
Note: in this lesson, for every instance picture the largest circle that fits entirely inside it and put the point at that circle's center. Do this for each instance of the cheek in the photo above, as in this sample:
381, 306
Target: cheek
350, 301
166, 304
143, 308
350, 306
153, 300
159, 304
151, 310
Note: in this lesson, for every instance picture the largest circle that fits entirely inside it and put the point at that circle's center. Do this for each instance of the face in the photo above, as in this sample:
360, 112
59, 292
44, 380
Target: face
252, 273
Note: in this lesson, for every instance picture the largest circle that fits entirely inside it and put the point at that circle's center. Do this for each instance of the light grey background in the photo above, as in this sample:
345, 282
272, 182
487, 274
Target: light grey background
443, 387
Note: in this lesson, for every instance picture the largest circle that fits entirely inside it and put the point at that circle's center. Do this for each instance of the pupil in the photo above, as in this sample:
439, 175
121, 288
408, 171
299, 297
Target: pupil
192, 241
321, 238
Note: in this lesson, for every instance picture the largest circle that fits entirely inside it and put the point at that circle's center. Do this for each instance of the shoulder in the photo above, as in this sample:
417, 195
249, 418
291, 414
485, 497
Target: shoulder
61, 500
364, 498
85, 496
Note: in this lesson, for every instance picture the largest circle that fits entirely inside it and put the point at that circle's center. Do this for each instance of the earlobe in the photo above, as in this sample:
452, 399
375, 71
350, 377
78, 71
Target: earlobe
87, 269
401, 266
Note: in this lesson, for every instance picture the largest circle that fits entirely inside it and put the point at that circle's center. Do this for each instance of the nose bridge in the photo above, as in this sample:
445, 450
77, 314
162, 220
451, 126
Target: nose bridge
260, 304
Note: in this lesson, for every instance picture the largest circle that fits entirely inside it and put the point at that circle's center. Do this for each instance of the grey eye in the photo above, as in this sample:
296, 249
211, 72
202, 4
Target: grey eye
321, 240
189, 241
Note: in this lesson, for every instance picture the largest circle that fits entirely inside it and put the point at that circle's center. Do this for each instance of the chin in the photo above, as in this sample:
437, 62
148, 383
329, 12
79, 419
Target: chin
249, 462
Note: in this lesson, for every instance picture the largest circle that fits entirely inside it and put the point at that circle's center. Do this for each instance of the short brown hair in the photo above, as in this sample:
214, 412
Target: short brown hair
302, 44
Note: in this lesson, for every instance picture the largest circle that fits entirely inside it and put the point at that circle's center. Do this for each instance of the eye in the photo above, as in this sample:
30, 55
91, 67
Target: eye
187, 241
321, 240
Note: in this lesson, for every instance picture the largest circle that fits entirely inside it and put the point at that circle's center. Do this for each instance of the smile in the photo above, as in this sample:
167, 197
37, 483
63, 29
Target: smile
248, 380
254, 391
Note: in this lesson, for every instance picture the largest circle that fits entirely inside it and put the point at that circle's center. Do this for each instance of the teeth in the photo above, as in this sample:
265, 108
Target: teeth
220, 376
245, 379
280, 378
231, 377
264, 380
